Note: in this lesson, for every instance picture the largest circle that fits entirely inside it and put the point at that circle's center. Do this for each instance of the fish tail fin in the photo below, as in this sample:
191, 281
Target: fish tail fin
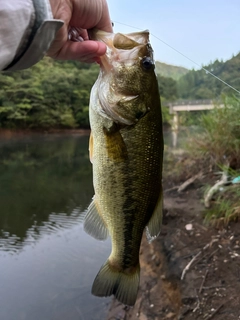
123, 285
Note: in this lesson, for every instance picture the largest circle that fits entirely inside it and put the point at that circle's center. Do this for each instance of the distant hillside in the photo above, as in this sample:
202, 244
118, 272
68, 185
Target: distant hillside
169, 71
201, 85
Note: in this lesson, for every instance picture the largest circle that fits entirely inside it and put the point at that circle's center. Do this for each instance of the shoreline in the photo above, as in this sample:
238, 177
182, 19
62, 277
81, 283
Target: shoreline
12, 133
189, 271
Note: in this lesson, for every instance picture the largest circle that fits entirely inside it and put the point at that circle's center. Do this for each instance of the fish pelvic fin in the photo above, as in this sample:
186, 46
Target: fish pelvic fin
123, 285
94, 224
155, 223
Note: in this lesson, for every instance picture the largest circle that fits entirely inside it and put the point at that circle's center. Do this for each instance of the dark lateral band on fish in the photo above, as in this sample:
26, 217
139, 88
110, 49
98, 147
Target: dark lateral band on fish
126, 151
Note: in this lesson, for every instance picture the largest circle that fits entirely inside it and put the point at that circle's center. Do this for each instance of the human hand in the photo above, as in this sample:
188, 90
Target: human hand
82, 15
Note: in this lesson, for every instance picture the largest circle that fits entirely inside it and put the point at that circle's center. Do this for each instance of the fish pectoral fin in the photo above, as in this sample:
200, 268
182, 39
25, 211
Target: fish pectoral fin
94, 224
116, 147
91, 148
155, 223
124, 286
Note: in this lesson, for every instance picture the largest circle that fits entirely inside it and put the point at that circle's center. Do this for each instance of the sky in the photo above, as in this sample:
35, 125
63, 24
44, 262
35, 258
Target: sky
202, 30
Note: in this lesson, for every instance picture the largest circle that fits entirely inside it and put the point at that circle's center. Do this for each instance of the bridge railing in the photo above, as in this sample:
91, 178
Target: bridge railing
190, 102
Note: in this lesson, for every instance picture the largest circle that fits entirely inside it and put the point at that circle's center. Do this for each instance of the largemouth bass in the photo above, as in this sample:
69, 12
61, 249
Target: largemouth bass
126, 151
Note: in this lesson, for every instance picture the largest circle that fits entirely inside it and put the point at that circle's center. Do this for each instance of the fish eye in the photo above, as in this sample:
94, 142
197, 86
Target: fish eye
147, 63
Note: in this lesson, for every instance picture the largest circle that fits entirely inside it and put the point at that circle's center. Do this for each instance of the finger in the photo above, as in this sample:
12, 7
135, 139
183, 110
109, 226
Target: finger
83, 51
84, 34
105, 22
99, 18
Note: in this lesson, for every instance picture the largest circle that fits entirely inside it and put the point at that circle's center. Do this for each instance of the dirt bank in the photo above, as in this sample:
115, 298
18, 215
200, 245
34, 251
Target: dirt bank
191, 271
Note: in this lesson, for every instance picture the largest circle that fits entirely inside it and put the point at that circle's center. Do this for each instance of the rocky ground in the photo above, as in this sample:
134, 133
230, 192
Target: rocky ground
191, 271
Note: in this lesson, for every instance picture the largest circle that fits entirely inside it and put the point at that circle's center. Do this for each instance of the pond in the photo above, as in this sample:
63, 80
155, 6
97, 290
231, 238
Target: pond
47, 261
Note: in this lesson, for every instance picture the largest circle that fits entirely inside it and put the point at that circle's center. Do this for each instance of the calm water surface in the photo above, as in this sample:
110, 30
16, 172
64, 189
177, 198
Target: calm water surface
47, 261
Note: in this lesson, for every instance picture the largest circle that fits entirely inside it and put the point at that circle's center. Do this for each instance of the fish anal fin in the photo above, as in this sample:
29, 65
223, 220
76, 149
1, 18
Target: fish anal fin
155, 223
91, 148
94, 224
123, 285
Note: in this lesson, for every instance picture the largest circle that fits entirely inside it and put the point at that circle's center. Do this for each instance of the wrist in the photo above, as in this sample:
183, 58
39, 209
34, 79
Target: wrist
41, 34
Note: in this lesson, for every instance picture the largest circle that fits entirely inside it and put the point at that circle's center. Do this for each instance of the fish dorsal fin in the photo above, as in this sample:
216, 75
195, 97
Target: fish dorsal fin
155, 223
91, 148
94, 224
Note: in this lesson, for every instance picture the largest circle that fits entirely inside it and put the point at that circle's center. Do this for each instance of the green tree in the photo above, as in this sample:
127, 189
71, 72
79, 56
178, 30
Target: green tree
167, 88
51, 94
199, 84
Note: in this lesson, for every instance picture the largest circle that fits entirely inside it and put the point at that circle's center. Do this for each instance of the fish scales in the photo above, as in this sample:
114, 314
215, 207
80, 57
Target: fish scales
126, 150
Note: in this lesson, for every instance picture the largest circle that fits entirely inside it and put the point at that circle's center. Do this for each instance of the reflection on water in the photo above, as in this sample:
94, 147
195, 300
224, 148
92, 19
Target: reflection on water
40, 175
47, 262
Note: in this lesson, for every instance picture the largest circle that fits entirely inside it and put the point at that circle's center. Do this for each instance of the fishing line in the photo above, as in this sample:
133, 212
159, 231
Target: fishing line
182, 54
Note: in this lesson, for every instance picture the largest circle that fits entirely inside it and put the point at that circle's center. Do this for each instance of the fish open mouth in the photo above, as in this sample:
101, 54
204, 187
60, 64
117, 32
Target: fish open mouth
131, 40
120, 40
121, 47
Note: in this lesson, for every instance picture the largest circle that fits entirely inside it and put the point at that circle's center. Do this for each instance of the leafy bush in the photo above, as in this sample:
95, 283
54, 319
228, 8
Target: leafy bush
219, 142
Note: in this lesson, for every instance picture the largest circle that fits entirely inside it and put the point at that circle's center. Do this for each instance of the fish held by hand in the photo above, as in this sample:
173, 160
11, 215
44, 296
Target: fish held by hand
126, 151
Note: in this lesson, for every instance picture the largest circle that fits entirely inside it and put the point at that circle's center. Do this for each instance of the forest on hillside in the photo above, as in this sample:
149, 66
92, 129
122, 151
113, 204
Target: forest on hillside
199, 84
55, 94
170, 71
51, 94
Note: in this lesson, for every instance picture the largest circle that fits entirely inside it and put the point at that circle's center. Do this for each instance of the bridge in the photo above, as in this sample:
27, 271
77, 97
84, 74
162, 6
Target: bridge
189, 105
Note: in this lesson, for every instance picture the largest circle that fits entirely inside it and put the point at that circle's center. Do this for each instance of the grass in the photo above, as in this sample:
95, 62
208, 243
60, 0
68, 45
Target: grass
219, 142
226, 207
214, 149
218, 146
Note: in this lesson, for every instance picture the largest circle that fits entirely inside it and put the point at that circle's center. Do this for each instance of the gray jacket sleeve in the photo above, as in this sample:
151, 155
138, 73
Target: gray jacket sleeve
27, 30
